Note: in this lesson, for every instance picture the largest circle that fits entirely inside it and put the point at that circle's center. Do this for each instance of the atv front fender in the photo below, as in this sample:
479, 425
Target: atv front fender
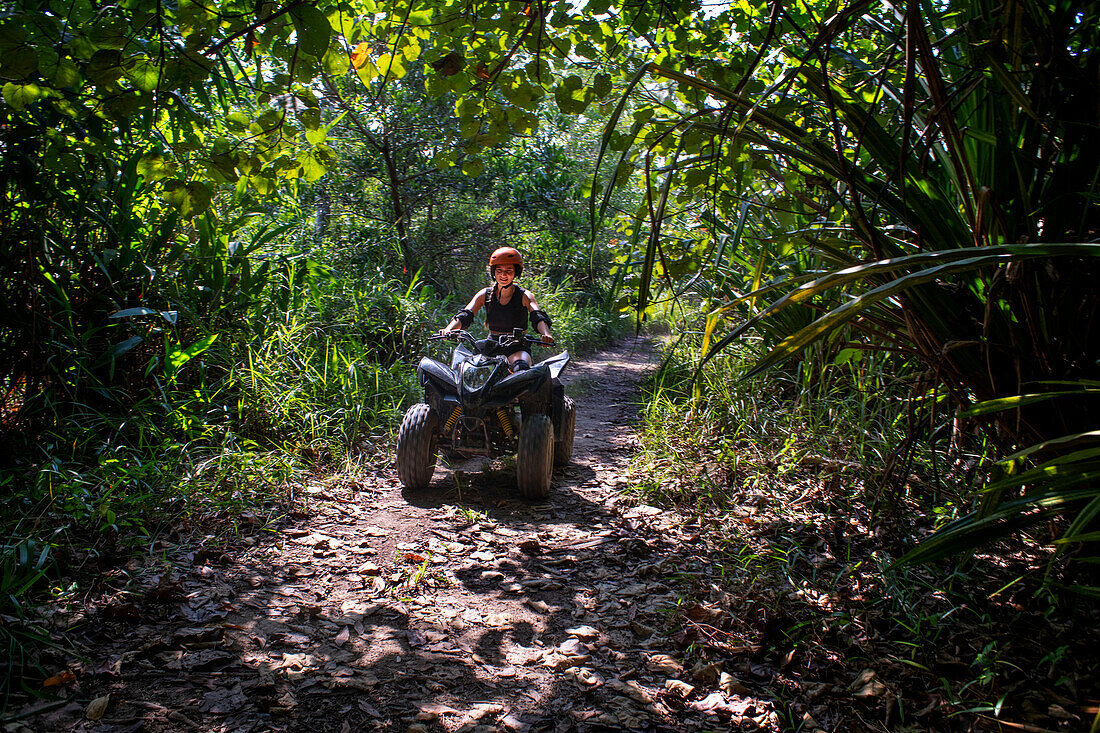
430, 371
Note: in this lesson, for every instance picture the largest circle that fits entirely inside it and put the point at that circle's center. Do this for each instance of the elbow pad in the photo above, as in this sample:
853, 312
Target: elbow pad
464, 318
540, 316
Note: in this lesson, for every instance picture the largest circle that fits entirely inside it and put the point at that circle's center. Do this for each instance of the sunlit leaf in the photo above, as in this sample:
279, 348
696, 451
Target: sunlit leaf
178, 356
155, 166
21, 96
191, 199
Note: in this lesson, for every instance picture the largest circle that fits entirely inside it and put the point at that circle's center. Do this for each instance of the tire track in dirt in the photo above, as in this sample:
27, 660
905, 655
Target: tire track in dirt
459, 608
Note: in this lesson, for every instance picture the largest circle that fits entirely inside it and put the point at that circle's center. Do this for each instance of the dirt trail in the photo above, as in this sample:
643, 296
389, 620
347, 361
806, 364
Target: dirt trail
458, 608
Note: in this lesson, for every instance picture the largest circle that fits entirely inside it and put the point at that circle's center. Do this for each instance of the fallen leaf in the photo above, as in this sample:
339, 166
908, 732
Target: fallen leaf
707, 673
583, 632
296, 661
62, 678
706, 614
715, 704
632, 690
730, 685
481, 709
573, 646
123, 612
867, 685
678, 688
562, 662
642, 510
97, 707
224, 701
665, 664
585, 677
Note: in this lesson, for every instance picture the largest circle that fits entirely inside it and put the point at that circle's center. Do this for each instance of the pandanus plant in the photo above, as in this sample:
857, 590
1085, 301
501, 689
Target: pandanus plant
962, 140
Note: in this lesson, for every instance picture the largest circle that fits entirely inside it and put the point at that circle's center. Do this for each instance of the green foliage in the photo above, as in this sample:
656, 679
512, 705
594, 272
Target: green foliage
929, 160
581, 323
839, 415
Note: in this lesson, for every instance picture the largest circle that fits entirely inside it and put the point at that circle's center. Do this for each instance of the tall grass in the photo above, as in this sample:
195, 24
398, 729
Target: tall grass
581, 321
857, 412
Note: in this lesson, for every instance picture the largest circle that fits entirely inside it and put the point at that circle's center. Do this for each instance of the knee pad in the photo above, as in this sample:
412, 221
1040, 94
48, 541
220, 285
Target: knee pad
519, 365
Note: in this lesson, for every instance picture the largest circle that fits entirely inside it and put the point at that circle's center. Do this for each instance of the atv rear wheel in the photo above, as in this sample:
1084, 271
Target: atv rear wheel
563, 446
416, 447
535, 459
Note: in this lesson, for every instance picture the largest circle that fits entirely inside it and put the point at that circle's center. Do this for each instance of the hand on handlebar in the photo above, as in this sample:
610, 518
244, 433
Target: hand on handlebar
547, 340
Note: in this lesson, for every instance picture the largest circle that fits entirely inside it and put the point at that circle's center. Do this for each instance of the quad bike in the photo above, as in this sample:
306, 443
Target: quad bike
479, 407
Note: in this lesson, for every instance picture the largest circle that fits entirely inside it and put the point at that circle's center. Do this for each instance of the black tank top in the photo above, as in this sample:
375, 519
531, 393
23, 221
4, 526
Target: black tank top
505, 318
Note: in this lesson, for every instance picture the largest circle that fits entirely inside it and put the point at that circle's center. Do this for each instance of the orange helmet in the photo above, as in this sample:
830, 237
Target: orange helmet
506, 256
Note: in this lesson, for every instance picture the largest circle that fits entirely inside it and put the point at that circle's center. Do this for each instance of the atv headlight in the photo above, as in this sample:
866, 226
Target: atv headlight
475, 377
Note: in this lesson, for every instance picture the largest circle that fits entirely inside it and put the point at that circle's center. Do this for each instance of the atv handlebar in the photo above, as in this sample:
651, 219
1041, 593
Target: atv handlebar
519, 336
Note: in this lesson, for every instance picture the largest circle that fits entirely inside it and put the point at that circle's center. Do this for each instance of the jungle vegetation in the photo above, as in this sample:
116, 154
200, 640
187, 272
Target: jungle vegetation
227, 228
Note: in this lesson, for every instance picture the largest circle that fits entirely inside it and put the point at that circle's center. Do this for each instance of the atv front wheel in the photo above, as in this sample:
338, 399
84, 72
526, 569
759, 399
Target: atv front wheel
563, 446
416, 447
535, 459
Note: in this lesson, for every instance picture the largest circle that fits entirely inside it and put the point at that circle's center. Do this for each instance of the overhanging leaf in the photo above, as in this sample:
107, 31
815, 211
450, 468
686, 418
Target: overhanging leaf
312, 28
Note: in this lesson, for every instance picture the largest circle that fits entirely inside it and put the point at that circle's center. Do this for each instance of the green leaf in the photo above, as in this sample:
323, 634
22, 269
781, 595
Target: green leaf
19, 62
1008, 403
177, 357
973, 530
191, 199
945, 262
601, 85
335, 61
60, 72
312, 28
154, 166
392, 66
142, 71
473, 167
310, 118
121, 348
21, 96
312, 167
105, 67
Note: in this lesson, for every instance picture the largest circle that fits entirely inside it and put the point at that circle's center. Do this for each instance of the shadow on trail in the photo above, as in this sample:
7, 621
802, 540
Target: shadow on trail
447, 608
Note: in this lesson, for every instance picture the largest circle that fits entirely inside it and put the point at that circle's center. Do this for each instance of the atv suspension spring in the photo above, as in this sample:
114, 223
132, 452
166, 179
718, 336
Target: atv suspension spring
452, 419
505, 421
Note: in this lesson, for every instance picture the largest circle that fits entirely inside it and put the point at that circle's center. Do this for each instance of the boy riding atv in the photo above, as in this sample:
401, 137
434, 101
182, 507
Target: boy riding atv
491, 401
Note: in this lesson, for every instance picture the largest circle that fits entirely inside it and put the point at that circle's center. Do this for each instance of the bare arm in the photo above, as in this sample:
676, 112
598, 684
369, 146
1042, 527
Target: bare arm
532, 305
473, 306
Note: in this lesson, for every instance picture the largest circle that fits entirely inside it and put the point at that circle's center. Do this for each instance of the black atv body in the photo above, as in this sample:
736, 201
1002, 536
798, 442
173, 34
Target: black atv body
477, 406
